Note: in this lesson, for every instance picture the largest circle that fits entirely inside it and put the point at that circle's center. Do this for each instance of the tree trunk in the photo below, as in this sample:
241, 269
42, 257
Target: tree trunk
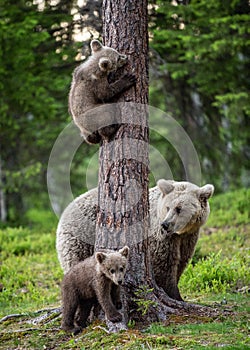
123, 204
123, 215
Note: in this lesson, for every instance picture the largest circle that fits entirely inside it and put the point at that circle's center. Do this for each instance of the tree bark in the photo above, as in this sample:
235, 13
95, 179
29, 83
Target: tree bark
123, 215
123, 203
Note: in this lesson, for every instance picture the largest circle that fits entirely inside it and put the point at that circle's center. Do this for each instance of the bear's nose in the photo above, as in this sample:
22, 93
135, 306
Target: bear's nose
165, 225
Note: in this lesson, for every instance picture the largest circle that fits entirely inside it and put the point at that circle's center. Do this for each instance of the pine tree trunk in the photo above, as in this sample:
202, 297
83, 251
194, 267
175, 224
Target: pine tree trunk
123, 216
123, 204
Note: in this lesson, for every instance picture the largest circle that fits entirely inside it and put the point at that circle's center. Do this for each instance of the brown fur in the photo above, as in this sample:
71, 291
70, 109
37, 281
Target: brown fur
177, 212
97, 279
90, 89
182, 209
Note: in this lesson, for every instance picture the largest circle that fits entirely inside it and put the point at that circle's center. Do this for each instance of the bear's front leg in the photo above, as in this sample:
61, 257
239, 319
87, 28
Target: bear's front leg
172, 291
116, 296
103, 293
108, 92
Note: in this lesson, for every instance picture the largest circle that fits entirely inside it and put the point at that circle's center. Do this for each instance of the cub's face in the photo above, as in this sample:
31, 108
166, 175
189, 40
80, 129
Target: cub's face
109, 60
183, 207
114, 264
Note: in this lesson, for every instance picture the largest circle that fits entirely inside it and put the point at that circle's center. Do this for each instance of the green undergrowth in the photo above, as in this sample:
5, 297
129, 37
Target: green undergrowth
230, 209
218, 276
29, 274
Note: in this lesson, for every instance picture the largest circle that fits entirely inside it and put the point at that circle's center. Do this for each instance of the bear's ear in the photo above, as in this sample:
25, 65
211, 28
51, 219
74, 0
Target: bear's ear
166, 186
100, 257
95, 45
105, 64
124, 251
206, 192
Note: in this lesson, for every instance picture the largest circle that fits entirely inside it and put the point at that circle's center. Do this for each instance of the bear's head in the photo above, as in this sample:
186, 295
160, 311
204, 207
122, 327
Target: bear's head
182, 207
113, 264
109, 60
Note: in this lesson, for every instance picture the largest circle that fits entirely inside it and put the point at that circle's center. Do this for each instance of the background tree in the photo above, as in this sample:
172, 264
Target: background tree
34, 68
204, 55
199, 59
38, 53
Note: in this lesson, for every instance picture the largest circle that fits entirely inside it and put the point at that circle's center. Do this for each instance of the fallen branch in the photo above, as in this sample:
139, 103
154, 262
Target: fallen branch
50, 313
8, 317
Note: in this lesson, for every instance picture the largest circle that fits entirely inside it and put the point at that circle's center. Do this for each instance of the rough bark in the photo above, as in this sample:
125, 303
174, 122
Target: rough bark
123, 215
123, 205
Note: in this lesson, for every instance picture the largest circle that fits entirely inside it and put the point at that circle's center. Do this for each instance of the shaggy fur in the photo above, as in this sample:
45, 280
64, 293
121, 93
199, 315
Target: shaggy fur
90, 89
177, 211
94, 280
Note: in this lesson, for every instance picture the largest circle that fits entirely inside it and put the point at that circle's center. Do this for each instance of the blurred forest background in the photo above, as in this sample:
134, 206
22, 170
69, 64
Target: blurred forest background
199, 74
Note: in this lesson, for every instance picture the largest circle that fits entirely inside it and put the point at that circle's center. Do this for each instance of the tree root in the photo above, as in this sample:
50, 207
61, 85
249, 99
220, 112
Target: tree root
160, 307
183, 308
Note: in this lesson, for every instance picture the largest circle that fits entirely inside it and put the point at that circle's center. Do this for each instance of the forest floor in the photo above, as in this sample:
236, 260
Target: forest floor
219, 276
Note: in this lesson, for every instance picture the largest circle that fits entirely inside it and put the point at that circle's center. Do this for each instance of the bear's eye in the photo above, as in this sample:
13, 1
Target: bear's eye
178, 210
112, 271
121, 269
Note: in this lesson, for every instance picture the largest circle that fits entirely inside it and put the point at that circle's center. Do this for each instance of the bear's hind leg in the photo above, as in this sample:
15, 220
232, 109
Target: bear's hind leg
116, 296
84, 309
92, 138
68, 315
108, 131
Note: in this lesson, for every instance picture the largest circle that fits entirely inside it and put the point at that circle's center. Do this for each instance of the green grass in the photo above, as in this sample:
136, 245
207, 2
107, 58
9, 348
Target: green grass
30, 276
230, 209
30, 273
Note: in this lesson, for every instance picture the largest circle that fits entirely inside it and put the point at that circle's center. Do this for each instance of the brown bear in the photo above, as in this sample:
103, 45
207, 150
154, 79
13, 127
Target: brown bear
90, 89
95, 280
177, 211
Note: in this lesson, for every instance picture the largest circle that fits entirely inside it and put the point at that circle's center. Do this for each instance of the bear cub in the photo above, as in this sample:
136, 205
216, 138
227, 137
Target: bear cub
90, 88
95, 280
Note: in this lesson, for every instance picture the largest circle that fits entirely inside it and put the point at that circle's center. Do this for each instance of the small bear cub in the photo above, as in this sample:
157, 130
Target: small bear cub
94, 280
90, 89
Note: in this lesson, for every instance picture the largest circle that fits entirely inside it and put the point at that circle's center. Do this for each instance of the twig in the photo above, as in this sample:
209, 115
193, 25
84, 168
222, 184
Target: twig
8, 317
49, 312
48, 317
102, 328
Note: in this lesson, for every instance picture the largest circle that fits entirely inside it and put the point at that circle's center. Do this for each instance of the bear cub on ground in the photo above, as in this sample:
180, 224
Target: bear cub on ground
97, 279
90, 88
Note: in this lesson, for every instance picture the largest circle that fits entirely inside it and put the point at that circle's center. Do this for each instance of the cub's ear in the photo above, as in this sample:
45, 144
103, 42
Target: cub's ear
95, 45
206, 192
124, 251
105, 64
166, 186
100, 257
